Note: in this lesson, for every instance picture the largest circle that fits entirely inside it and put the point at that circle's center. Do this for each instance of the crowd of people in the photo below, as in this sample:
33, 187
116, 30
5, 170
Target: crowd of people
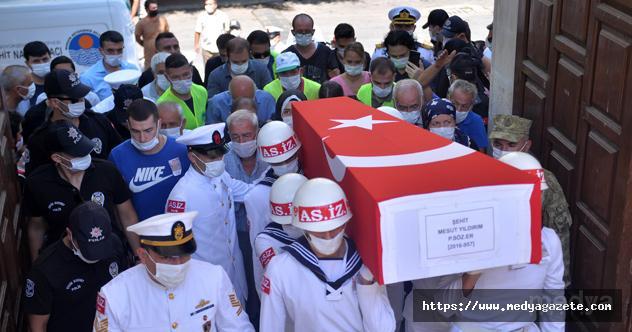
173, 200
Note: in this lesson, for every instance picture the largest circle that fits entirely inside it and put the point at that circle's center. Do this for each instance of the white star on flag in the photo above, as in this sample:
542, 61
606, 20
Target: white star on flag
365, 122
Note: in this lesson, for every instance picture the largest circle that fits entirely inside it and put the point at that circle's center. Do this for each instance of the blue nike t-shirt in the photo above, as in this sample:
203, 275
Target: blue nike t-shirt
150, 178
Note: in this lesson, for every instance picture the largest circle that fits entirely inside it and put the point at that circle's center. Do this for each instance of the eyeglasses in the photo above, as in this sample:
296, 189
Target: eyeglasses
410, 108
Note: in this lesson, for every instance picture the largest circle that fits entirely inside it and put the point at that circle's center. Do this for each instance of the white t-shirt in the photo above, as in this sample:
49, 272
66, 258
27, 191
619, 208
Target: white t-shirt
210, 27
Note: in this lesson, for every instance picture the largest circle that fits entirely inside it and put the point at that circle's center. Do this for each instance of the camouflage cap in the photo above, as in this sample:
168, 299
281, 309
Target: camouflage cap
510, 127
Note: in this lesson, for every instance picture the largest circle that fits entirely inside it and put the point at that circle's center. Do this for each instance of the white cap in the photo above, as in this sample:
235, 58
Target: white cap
168, 234
528, 163
320, 205
282, 195
276, 142
391, 111
160, 225
123, 76
287, 61
208, 137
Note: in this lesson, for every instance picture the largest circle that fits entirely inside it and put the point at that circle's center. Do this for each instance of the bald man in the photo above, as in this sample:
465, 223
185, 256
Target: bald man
240, 86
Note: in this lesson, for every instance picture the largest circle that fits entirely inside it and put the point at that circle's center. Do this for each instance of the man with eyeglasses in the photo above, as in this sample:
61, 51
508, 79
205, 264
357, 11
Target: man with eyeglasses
463, 95
408, 98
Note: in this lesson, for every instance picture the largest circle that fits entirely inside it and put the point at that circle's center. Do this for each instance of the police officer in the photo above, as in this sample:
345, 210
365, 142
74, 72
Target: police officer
405, 18
61, 287
115, 80
169, 290
320, 283
72, 177
207, 188
66, 101
511, 134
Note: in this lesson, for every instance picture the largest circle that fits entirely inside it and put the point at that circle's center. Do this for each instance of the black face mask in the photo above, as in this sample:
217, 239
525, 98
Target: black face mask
153, 13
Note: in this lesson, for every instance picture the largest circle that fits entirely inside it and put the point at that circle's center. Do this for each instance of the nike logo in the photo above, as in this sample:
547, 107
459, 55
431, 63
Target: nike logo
136, 189
151, 174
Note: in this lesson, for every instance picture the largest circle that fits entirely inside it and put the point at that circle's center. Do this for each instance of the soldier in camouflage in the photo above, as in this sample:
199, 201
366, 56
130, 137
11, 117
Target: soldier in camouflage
511, 134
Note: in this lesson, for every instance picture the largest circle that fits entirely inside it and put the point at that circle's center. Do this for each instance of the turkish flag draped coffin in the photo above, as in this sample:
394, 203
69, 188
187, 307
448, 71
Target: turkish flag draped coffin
422, 206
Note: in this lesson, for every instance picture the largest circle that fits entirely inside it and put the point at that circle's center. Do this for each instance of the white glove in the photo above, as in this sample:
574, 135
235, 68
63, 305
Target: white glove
366, 274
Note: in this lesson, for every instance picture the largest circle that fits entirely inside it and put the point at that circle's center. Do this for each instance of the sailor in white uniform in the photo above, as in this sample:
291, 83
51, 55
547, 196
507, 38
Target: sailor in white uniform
277, 146
115, 80
279, 232
169, 291
208, 189
320, 283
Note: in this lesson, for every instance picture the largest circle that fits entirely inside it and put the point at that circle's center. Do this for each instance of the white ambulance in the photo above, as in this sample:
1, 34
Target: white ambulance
68, 27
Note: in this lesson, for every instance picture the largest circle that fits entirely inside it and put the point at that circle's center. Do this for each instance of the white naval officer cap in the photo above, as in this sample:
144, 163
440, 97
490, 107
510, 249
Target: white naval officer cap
404, 15
168, 234
205, 138
123, 76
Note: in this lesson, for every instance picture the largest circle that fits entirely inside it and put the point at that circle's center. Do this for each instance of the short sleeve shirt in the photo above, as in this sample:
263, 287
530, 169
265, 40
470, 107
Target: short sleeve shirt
48, 195
315, 68
210, 27
61, 285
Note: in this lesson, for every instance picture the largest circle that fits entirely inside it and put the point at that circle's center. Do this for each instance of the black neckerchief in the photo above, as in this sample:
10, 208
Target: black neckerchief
275, 231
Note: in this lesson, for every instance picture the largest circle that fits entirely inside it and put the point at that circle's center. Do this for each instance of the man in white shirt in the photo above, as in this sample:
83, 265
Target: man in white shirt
210, 24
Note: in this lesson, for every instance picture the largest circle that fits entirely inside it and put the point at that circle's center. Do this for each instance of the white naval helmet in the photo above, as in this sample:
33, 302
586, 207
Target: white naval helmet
391, 111
526, 162
276, 142
282, 195
320, 205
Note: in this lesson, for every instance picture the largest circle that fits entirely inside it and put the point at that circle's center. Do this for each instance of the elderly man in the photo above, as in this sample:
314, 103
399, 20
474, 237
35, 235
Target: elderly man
172, 121
241, 86
511, 134
239, 63
160, 84
463, 95
18, 87
243, 164
409, 99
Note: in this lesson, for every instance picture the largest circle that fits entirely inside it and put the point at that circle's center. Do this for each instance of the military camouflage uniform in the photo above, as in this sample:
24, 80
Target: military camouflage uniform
555, 212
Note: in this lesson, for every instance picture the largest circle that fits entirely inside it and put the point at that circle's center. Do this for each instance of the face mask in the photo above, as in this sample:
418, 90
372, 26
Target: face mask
288, 120
445, 132
245, 150
400, 63
210, 9
77, 253
30, 93
182, 87
411, 117
212, 169
460, 116
382, 92
303, 39
40, 69
114, 60
354, 70
498, 153
171, 132
238, 69
74, 110
291, 167
326, 246
263, 61
341, 51
411, 33
292, 231
162, 82
290, 82
79, 164
153, 13
488, 43
433, 36
170, 275
147, 145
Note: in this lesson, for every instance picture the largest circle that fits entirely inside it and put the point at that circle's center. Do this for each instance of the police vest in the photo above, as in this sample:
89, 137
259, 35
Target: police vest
365, 96
199, 95
310, 88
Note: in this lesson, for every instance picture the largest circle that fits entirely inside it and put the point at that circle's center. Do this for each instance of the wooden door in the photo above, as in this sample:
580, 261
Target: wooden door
574, 80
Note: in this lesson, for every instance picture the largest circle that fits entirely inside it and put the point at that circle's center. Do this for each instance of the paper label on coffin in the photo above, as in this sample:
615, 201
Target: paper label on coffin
404, 183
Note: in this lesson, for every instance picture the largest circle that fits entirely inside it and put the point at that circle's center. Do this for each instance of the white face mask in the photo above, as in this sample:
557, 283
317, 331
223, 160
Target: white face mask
182, 87
382, 92
77, 253
162, 82
498, 153
171, 132
326, 246
40, 69
291, 167
79, 164
114, 60
246, 149
354, 70
238, 69
30, 93
445, 132
433, 36
400, 63
411, 117
303, 39
288, 120
74, 110
290, 82
212, 169
146, 146
170, 275
460, 116
292, 231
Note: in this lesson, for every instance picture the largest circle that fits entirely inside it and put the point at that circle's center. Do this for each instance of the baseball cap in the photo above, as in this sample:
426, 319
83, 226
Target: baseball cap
63, 82
436, 17
205, 138
120, 77
287, 61
64, 137
511, 128
453, 26
464, 67
123, 96
91, 228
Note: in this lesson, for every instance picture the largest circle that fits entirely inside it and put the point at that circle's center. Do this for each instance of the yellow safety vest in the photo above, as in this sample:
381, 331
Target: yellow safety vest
310, 88
364, 95
200, 95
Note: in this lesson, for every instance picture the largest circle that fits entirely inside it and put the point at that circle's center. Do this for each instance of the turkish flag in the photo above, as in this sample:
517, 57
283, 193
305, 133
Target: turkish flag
422, 205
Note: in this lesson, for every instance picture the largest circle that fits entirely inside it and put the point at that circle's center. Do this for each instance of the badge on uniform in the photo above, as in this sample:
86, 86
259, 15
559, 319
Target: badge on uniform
176, 167
234, 301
